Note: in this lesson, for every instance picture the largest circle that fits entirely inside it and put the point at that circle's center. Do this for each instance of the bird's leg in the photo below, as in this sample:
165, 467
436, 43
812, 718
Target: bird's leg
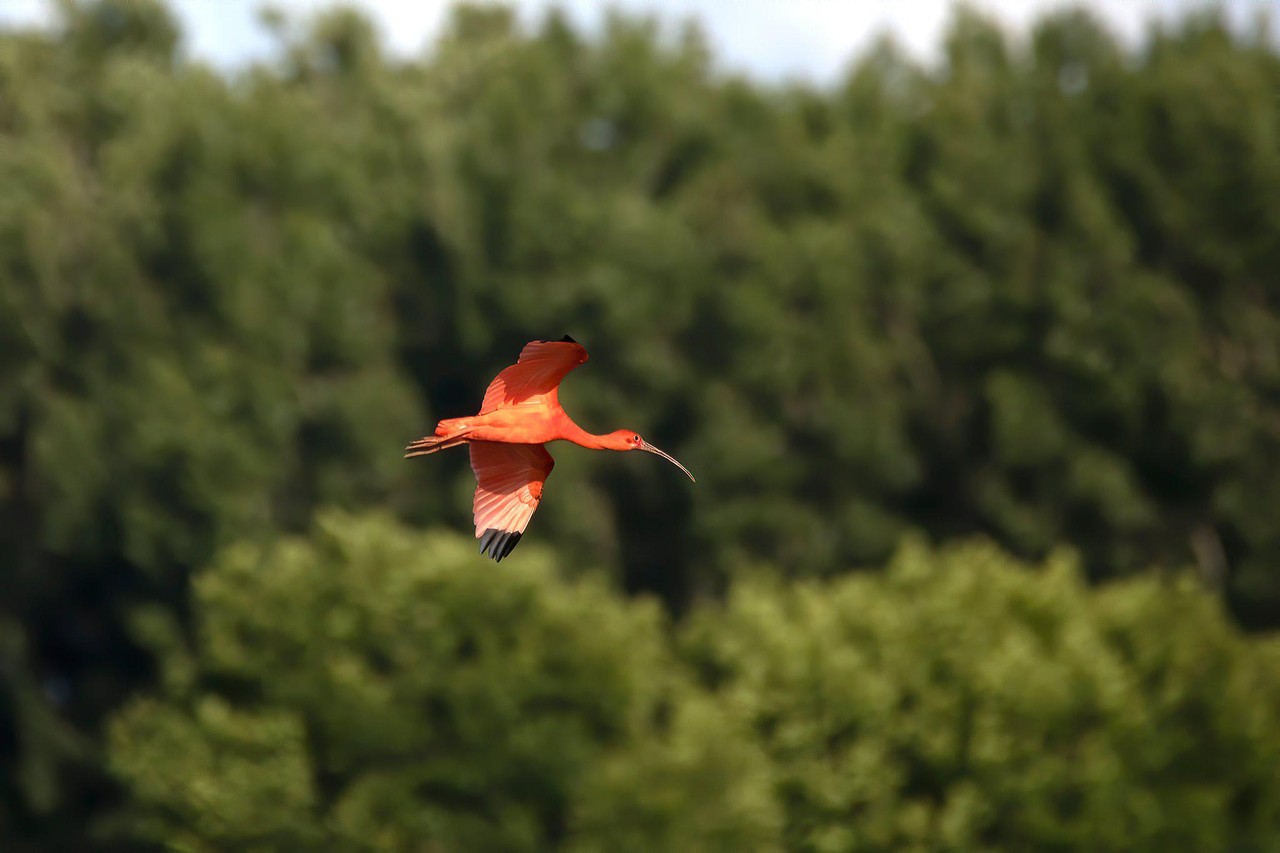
433, 443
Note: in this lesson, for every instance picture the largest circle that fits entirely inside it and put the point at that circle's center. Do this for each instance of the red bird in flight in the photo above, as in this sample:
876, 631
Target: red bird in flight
521, 413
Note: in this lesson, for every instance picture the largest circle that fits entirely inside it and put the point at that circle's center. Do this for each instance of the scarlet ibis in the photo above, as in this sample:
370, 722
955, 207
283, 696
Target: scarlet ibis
521, 412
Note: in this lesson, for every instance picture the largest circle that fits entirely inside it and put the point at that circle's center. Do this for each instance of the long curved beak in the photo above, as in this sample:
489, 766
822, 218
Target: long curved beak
644, 445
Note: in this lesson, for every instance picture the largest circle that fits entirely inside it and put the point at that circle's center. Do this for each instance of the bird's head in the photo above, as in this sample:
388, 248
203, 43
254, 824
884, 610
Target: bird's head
625, 439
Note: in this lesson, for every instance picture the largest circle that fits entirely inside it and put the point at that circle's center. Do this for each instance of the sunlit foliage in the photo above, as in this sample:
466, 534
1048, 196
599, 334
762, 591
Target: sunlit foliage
368, 688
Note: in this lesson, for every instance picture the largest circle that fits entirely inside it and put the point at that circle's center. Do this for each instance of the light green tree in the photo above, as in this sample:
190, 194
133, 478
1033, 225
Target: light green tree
965, 701
372, 688
367, 688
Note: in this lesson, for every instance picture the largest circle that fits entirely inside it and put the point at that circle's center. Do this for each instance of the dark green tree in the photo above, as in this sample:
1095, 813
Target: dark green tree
1027, 291
192, 351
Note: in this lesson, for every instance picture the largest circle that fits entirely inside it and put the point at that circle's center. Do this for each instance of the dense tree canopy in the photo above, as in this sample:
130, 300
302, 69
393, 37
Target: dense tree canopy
1027, 292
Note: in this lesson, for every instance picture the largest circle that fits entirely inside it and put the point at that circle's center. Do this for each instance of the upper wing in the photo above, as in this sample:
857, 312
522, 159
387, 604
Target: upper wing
541, 366
509, 480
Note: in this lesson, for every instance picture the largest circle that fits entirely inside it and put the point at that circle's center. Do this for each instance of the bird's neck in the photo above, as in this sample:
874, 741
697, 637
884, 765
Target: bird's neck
570, 431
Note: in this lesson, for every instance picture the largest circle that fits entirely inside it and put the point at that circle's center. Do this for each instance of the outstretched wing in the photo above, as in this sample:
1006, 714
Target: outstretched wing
509, 480
536, 375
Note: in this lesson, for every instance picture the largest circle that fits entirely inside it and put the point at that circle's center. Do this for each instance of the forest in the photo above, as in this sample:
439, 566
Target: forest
976, 360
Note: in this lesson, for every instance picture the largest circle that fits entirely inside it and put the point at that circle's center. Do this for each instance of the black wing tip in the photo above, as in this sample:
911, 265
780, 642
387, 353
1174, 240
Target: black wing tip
498, 543
565, 340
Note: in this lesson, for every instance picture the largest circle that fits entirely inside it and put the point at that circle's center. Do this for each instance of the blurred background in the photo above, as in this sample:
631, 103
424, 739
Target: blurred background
967, 318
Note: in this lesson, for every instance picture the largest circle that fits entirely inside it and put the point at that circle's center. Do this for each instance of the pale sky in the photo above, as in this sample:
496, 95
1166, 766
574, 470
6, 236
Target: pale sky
771, 39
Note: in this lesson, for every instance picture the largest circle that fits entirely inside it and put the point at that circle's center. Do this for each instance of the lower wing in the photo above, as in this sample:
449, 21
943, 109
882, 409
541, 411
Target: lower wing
509, 480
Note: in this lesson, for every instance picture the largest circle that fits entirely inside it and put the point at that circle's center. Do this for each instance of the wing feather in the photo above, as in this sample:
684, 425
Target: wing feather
541, 367
509, 480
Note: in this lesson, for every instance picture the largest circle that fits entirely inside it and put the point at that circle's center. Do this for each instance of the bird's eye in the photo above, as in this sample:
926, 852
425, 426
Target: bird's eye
636, 439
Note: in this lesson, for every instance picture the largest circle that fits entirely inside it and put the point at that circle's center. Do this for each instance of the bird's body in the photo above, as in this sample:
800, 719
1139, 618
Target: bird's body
521, 412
